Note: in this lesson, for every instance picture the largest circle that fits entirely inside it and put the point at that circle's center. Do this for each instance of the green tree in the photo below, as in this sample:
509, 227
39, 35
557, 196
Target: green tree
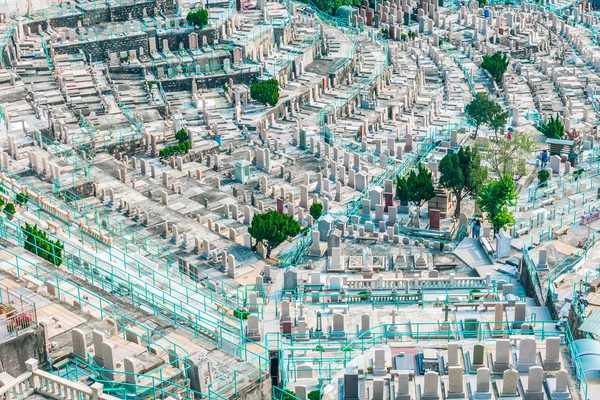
417, 188
181, 135
10, 209
482, 3
495, 199
272, 229
267, 92
462, 174
498, 120
288, 395
553, 129
510, 156
496, 65
543, 175
484, 111
22, 199
314, 395
198, 18
316, 209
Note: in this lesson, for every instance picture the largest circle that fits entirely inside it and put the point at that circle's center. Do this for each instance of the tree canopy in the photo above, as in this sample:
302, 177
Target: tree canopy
198, 18
37, 242
181, 135
416, 188
329, 6
495, 199
510, 156
553, 129
496, 65
316, 209
462, 174
484, 111
272, 229
267, 92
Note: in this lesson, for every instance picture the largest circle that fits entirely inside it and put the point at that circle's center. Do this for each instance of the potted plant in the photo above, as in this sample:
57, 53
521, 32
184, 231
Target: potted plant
10, 311
10, 211
389, 368
370, 369
2, 309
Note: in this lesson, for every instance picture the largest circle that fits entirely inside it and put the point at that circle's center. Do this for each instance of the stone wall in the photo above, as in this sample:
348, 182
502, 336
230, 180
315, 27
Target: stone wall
100, 49
207, 82
14, 352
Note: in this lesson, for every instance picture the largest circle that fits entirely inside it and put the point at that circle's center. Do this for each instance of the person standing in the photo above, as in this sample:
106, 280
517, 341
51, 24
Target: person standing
544, 158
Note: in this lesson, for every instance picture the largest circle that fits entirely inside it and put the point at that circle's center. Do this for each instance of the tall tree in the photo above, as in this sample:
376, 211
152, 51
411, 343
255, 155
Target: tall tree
510, 156
484, 111
416, 188
198, 18
272, 229
496, 65
495, 199
498, 120
462, 174
267, 92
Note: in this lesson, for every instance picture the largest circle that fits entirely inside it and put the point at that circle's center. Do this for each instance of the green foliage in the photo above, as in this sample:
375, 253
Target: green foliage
37, 242
314, 395
319, 348
10, 209
576, 175
554, 129
403, 37
181, 135
316, 209
272, 229
288, 395
2, 200
484, 111
225, 87
267, 92
329, 6
198, 18
417, 188
241, 314
482, 3
150, 85
22, 199
178, 148
543, 175
510, 156
412, 35
463, 174
496, 64
495, 199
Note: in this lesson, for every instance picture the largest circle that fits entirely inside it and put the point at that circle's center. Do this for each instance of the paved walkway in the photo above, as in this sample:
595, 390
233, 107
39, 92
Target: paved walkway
470, 251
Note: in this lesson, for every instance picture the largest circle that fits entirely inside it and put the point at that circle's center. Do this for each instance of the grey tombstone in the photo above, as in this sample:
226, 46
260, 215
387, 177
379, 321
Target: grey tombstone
452, 355
378, 389
520, 314
351, 391
552, 359
379, 367
561, 389
304, 371
455, 383
403, 388
527, 355
502, 359
300, 391
482, 391
535, 384
79, 344
510, 380
478, 356
431, 386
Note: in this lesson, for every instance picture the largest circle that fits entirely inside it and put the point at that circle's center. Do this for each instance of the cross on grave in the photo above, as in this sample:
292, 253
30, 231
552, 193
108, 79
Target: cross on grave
394, 314
446, 309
